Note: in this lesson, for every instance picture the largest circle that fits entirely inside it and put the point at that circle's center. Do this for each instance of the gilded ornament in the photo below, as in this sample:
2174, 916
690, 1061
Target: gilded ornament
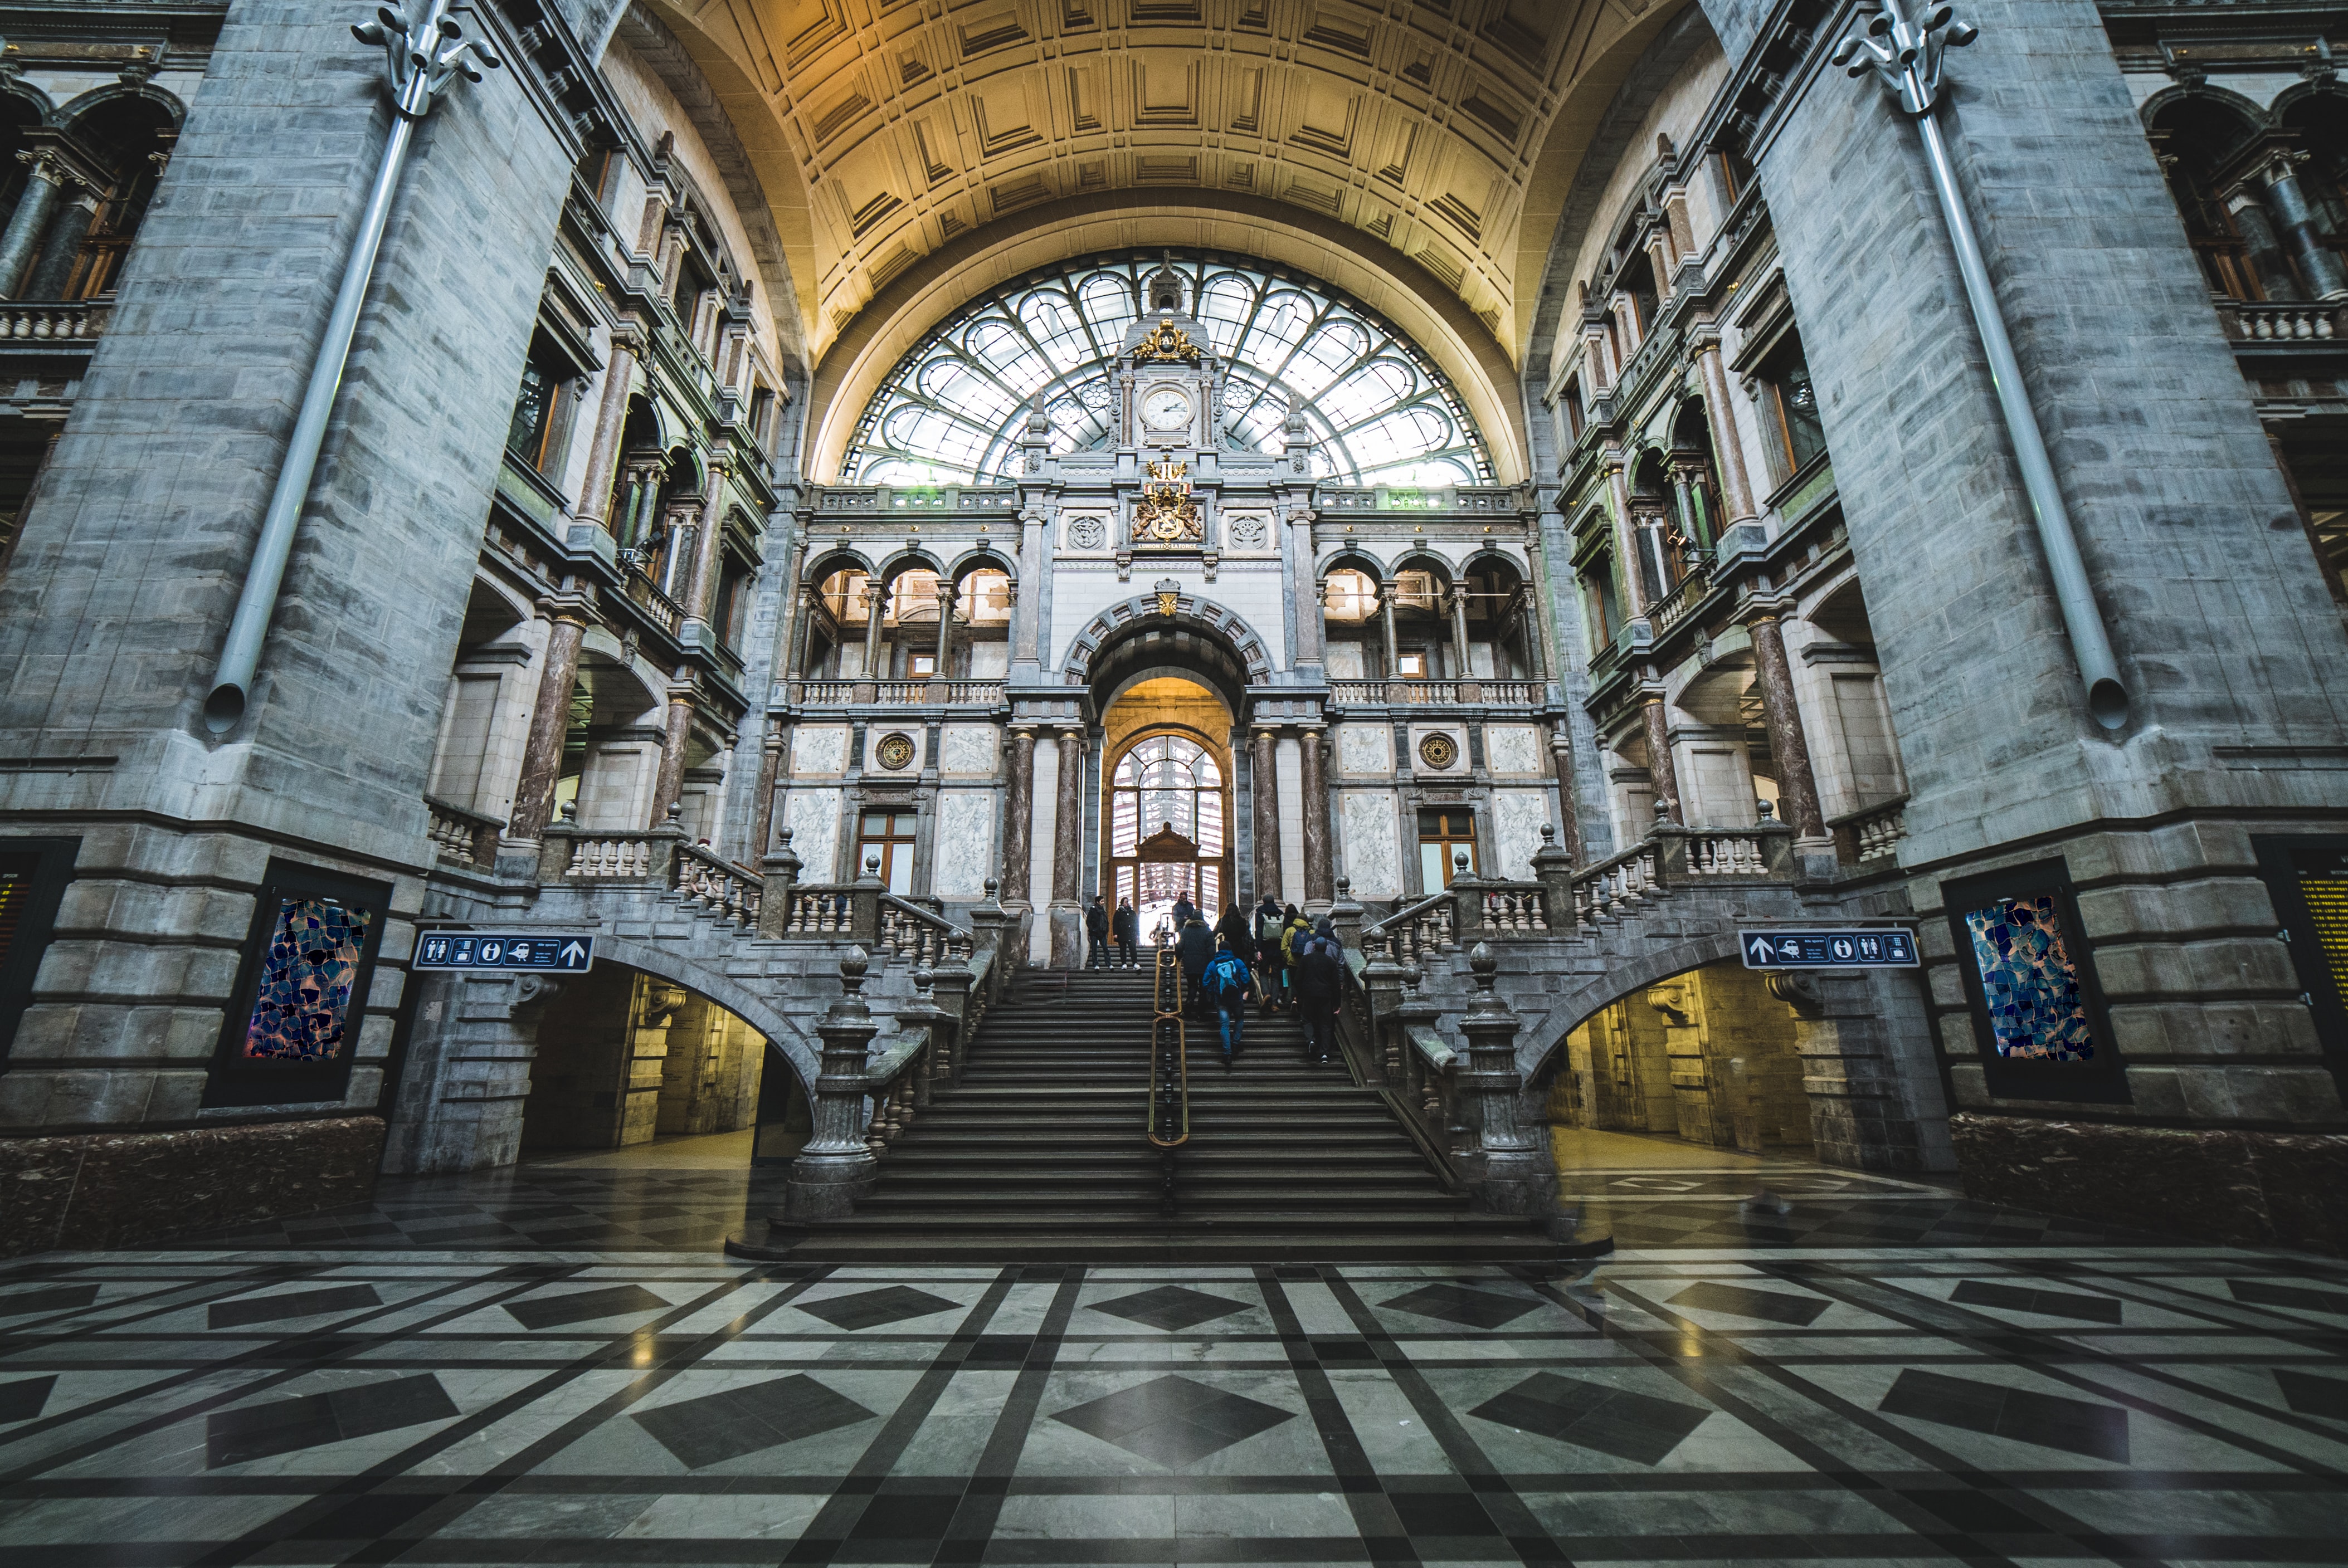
1438, 751
895, 752
1167, 341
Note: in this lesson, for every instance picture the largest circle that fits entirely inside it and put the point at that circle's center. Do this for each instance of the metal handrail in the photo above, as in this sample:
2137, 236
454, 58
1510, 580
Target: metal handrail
1170, 1069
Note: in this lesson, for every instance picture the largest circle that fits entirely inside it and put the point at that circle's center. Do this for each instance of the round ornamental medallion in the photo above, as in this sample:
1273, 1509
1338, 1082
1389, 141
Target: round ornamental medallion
1087, 534
1247, 533
1437, 750
895, 752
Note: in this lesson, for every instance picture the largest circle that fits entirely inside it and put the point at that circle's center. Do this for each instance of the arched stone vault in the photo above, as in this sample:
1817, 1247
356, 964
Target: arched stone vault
681, 969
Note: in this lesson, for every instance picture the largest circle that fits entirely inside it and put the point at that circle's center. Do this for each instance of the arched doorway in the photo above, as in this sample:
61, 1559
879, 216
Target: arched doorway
1166, 806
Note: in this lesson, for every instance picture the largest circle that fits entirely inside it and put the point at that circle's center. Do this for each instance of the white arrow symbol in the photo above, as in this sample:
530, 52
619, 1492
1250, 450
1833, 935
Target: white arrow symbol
572, 953
1764, 949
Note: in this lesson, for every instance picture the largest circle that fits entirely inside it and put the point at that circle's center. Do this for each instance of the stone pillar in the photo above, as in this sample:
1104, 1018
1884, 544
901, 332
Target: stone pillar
1512, 1172
1569, 810
611, 419
1387, 594
1320, 871
1529, 622
1465, 669
1068, 853
22, 239
876, 609
1296, 560
1661, 769
1797, 787
1028, 603
1692, 1087
708, 547
835, 1167
1019, 816
1626, 540
53, 266
550, 718
2251, 220
945, 628
668, 784
645, 498
1735, 484
468, 1075
762, 800
2326, 279
1264, 782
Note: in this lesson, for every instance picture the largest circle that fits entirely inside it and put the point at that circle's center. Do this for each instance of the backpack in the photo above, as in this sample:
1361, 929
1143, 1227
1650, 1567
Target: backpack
1267, 927
1226, 977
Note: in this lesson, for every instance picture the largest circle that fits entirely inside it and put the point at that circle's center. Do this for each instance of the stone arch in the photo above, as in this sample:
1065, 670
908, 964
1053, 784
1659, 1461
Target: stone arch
682, 969
1420, 558
905, 560
114, 92
2254, 114
982, 558
1192, 613
1622, 979
1349, 557
841, 557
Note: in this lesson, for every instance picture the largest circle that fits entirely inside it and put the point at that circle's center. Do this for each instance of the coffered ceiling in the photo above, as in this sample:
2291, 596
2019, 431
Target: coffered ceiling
892, 127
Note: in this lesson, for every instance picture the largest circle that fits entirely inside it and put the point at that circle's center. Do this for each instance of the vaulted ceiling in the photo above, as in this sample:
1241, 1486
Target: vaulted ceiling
1433, 139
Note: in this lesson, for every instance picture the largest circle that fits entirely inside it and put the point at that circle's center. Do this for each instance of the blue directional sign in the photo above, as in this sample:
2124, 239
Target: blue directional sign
1880, 949
562, 952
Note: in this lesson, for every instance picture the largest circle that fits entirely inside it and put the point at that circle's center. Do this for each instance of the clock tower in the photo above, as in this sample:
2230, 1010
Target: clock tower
1169, 380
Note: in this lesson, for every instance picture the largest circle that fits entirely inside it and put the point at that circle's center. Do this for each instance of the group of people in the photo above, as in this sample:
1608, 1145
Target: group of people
1276, 957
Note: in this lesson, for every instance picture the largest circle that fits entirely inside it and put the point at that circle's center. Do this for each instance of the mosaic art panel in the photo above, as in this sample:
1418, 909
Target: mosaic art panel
2036, 1010
302, 1002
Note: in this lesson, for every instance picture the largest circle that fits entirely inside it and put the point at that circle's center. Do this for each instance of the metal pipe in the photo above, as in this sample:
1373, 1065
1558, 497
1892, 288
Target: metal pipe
419, 68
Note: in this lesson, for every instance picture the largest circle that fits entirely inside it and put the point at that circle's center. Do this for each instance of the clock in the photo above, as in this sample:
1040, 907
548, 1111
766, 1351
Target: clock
1166, 408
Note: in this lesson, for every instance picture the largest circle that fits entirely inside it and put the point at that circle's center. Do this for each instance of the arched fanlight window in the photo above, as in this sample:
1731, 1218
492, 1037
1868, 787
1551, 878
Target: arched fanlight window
954, 408
1167, 810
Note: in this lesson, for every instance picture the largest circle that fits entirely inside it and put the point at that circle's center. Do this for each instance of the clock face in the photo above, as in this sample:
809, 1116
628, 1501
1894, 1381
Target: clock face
1165, 408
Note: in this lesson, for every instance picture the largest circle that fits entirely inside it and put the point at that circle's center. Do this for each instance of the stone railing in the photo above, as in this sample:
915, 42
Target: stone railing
1673, 608
919, 936
1871, 837
1505, 908
896, 693
54, 322
879, 499
2268, 321
1612, 887
1435, 693
664, 612
1678, 856
723, 891
568, 852
464, 837
813, 911
1429, 925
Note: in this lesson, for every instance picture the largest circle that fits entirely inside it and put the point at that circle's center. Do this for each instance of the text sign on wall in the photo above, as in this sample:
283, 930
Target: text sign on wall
1876, 949
563, 952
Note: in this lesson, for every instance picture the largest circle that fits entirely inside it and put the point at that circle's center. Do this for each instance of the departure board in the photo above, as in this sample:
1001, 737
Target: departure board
2325, 892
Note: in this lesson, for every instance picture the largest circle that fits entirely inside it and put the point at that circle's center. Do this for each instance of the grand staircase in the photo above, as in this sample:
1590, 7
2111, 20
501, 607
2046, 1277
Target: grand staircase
1040, 1154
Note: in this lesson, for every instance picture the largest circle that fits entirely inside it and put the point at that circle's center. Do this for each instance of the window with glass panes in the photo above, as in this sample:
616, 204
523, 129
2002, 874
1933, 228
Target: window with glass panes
1444, 834
1166, 838
1796, 402
890, 836
954, 409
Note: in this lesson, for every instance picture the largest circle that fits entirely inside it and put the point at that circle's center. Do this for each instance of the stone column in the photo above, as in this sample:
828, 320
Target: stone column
61, 248
611, 419
468, 1075
22, 239
835, 1167
1736, 483
668, 785
945, 628
1265, 781
1296, 553
2248, 210
1320, 871
1512, 1171
762, 800
1528, 620
1466, 668
1569, 812
646, 500
708, 547
550, 717
1388, 593
1626, 541
1019, 816
2326, 279
1797, 786
1026, 607
1661, 769
1068, 853
876, 609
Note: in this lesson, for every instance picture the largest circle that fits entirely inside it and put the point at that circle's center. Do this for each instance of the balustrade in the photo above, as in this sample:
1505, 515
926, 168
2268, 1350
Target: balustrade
1872, 834
723, 891
55, 322
664, 610
466, 837
900, 694
611, 857
1435, 693
1511, 908
2266, 321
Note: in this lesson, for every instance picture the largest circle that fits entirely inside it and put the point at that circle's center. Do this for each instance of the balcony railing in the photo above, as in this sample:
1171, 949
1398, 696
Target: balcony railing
1869, 838
55, 322
2275, 322
897, 694
466, 837
1673, 608
1436, 694
665, 610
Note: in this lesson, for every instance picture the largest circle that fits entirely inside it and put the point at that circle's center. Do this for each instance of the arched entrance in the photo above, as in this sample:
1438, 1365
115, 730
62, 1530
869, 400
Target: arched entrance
1168, 804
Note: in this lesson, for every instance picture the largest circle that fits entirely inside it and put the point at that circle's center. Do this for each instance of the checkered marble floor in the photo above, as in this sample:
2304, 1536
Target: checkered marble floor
1994, 1404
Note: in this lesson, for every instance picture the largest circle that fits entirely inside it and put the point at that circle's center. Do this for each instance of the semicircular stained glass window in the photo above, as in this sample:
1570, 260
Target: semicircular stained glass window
953, 410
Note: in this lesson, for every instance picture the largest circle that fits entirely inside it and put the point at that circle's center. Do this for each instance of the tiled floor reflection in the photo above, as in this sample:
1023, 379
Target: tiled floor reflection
2007, 1405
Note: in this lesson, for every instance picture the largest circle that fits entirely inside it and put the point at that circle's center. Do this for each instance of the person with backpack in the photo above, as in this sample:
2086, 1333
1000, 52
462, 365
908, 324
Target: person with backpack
1267, 923
1233, 929
1320, 986
1095, 935
1225, 984
1294, 928
1194, 945
1128, 932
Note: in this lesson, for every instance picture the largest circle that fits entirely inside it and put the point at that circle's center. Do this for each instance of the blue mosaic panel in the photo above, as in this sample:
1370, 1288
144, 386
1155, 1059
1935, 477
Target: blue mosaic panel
2035, 1011
305, 997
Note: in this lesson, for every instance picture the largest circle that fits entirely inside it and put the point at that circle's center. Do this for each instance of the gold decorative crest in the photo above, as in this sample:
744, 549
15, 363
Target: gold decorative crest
1167, 341
895, 752
1165, 515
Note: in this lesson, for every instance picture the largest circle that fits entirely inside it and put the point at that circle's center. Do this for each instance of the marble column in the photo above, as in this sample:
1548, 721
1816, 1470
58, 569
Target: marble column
1797, 786
610, 420
1465, 668
2318, 264
1387, 594
1529, 622
1568, 811
1626, 539
1661, 769
1320, 869
1296, 573
945, 629
876, 611
1019, 816
770, 772
1736, 482
550, 718
1265, 797
2248, 208
27, 225
1068, 853
668, 785
708, 542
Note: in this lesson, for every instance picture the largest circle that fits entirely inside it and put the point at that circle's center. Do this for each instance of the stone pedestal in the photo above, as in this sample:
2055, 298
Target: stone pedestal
1516, 1174
834, 1167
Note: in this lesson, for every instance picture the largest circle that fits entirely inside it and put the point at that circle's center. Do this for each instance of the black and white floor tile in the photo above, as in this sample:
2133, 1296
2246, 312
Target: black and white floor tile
2015, 1404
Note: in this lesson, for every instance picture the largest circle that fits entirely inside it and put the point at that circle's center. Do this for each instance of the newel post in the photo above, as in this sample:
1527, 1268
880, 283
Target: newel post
835, 1168
780, 873
864, 905
1554, 869
1514, 1172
